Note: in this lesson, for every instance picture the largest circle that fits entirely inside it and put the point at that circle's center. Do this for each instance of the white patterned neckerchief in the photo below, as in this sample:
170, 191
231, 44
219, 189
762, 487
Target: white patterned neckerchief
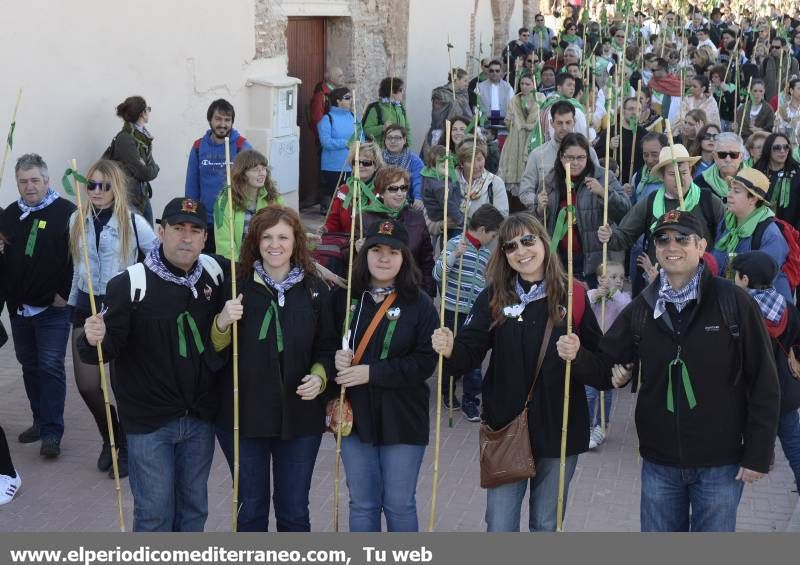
295, 275
48, 199
681, 297
770, 302
154, 263
536, 292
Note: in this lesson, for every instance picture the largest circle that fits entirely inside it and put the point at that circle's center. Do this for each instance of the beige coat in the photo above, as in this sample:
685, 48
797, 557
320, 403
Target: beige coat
520, 124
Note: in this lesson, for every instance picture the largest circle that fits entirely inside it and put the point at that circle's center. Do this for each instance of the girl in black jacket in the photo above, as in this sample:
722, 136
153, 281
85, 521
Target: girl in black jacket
385, 381
286, 344
526, 290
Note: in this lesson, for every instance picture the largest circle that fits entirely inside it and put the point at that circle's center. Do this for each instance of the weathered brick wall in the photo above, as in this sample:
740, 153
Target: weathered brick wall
270, 30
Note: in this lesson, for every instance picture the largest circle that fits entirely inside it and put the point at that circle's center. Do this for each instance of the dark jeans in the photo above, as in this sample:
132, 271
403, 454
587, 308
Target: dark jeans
169, 476
699, 499
789, 434
471, 386
593, 398
40, 343
292, 467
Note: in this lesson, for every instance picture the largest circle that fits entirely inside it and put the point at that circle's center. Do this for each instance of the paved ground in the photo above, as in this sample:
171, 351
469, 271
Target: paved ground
69, 494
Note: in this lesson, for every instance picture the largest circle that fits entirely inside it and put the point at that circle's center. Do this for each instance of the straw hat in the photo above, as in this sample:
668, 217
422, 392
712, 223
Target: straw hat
681, 156
754, 181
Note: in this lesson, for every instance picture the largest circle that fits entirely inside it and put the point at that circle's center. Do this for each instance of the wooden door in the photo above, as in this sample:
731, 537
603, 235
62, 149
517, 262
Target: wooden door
305, 39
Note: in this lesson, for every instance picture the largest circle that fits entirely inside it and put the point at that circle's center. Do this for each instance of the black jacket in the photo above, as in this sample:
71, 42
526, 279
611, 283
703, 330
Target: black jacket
269, 405
153, 383
735, 420
393, 407
36, 278
791, 213
515, 348
790, 385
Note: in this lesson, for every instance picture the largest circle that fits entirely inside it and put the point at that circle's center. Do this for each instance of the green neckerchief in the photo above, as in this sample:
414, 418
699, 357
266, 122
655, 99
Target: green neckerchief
645, 178
387, 339
561, 227
272, 312
31, 243
365, 192
378, 207
780, 195
433, 172
687, 383
569, 38
535, 138
716, 182
735, 231
748, 163
141, 139
690, 200
198, 342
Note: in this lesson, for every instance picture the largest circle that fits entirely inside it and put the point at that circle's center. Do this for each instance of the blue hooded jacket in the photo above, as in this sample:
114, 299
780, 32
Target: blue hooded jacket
205, 173
335, 131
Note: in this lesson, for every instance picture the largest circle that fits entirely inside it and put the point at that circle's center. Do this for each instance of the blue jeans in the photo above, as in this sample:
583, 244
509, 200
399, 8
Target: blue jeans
169, 476
40, 343
382, 478
789, 434
471, 385
292, 466
503, 503
700, 499
593, 399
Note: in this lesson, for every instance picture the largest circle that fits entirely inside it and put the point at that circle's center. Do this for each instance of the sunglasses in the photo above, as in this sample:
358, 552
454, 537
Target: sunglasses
526, 240
495, 71
94, 185
366, 163
726, 154
395, 188
346, 97
663, 239
710, 137
776, 47
780, 147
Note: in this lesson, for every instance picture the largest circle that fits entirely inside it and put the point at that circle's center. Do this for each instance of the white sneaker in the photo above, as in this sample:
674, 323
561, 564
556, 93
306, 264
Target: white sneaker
596, 437
9, 487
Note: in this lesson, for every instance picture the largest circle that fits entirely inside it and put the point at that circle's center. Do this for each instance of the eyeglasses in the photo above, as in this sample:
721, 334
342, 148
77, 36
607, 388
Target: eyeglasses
346, 97
573, 158
92, 185
526, 240
776, 47
394, 138
393, 189
781, 147
495, 71
710, 137
663, 239
366, 163
726, 154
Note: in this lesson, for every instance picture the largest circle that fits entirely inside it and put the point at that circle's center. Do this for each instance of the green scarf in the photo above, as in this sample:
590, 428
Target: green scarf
645, 178
198, 342
272, 312
735, 231
569, 38
687, 383
716, 182
780, 194
690, 200
561, 227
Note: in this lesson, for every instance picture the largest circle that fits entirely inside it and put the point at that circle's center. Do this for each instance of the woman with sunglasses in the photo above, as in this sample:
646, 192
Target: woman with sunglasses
522, 121
526, 293
391, 191
703, 147
370, 160
335, 131
252, 188
384, 371
116, 238
587, 185
783, 172
397, 154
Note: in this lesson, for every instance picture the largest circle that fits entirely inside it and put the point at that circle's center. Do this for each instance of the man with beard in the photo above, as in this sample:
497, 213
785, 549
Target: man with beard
205, 174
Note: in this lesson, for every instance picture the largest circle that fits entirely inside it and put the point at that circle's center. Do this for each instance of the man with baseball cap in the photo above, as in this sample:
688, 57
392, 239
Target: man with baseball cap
708, 403
642, 217
156, 327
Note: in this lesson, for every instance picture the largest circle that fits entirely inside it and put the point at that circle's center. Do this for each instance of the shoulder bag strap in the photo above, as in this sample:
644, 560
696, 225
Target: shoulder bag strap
548, 330
373, 325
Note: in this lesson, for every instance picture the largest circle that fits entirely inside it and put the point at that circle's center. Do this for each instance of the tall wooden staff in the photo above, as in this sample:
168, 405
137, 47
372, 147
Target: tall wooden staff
678, 182
450, 62
745, 110
235, 341
10, 138
101, 363
440, 368
605, 261
734, 53
635, 130
780, 72
568, 372
355, 201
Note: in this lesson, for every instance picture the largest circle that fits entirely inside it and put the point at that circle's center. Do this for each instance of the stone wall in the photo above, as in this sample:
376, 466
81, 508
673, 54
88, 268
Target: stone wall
270, 30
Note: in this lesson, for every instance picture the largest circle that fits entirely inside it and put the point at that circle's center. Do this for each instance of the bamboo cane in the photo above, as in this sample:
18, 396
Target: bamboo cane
734, 53
10, 134
736, 92
542, 190
635, 130
234, 340
440, 368
358, 140
99, 346
450, 62
567, 374
605, 261
780, 72
745, 111
355, 201
678, 182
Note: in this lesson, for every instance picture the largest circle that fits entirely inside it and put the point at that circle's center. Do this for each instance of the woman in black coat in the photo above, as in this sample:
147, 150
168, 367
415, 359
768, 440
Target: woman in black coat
287, 340
526, 290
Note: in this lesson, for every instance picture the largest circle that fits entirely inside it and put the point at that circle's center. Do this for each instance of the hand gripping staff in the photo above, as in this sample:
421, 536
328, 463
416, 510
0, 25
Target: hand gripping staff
567, 374
432, 518
355, 202
77, 178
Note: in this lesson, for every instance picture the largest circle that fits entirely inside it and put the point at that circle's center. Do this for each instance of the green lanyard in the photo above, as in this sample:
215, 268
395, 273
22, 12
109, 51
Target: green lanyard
387, 339
198, 342
272, 312
31, 243
687, 383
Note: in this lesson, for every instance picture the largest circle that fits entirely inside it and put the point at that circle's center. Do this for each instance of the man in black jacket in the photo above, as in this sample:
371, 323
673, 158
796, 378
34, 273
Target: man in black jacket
36, 274
708, 405
157, 330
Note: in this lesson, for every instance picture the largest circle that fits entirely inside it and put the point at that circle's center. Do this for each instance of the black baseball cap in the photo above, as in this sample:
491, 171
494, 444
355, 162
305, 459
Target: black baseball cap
180, 210
680, 221
388, 232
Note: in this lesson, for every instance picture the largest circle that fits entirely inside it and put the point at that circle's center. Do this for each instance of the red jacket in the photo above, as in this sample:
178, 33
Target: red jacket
319, 105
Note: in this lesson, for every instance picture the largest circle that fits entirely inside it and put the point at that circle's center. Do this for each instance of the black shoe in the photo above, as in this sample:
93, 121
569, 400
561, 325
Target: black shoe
122, 464
30, 435
470, 410
446, 402
104, 460
51, 448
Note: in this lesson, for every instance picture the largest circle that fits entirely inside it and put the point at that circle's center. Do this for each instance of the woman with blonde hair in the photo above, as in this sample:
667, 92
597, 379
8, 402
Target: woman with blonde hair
116, 238
252, 188
370, 159
486, 187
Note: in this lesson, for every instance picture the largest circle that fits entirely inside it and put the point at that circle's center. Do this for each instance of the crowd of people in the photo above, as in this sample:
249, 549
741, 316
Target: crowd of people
654, 155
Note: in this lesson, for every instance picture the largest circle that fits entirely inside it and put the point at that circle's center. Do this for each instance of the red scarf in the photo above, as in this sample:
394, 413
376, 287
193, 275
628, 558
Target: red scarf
669, 85
473, 241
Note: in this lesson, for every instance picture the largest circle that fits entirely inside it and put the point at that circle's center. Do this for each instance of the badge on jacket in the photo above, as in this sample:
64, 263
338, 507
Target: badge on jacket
207, 292
393, 313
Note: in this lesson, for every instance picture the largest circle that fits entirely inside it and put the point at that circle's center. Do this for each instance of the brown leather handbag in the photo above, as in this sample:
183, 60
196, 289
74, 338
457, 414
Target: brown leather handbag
505, 454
